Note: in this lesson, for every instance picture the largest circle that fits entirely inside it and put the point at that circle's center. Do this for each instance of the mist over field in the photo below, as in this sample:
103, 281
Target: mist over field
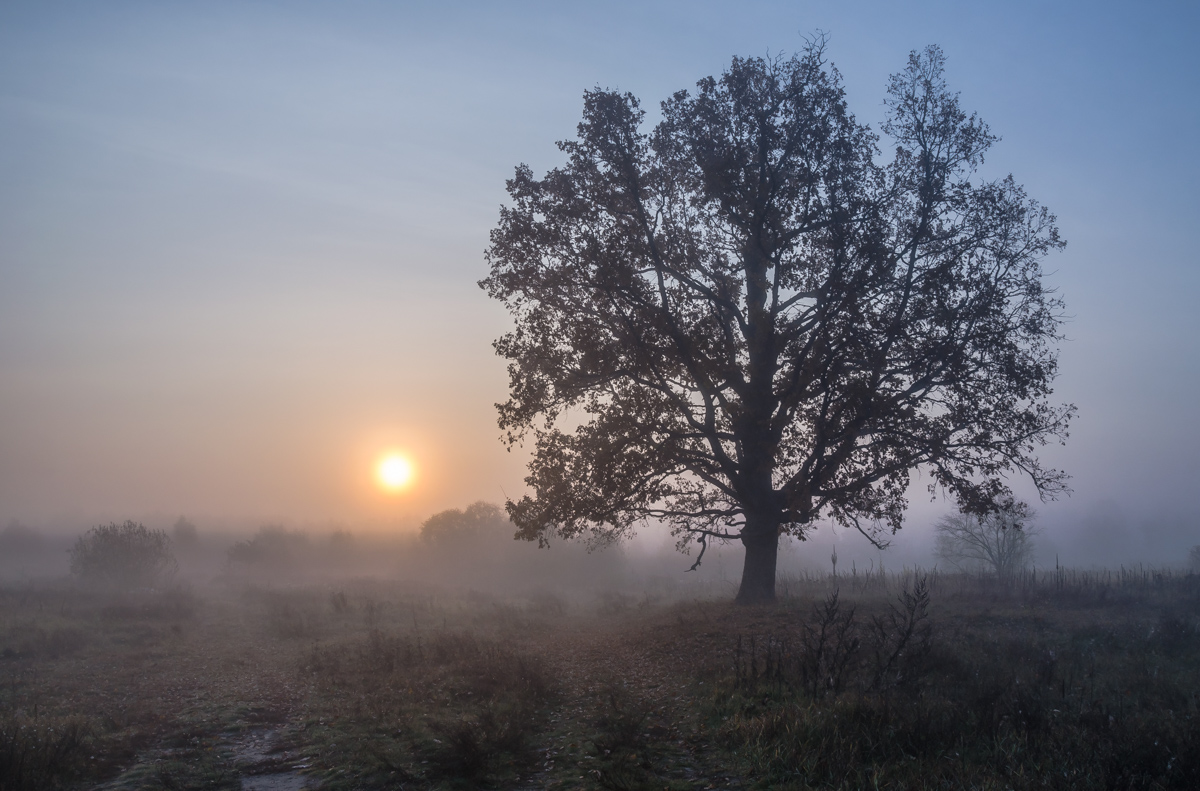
491, 561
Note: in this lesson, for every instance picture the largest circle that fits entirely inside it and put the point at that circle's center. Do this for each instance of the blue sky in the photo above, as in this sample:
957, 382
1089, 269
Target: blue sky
239, 241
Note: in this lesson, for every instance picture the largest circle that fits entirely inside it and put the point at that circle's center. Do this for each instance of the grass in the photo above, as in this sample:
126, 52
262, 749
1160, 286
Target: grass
40, 753
1063, 679
448, 708
1048, 686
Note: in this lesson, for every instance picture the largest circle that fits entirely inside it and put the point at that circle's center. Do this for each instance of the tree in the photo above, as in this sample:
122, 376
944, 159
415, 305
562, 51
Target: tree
272, 545
184, 533
999, 541
123, 556
16, 538
741, 322
453, 528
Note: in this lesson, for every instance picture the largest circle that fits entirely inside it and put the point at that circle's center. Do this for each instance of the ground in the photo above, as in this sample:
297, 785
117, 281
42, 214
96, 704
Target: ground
897, 681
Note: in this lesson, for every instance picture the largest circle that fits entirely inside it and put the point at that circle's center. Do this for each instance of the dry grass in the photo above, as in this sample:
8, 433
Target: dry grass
40, 753
1064, 680
1051, 685
443, 706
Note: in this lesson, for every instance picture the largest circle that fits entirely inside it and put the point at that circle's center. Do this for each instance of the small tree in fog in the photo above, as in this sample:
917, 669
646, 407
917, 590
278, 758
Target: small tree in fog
184, 533
454, 527
1194, 559
128, 555
999, 541
272, 544
16, 538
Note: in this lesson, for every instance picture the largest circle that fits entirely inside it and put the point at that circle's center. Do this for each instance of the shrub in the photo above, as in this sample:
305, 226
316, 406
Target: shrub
123, 556
835, 652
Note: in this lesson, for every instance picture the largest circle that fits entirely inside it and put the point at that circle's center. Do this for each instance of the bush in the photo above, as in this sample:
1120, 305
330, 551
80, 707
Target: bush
123, 556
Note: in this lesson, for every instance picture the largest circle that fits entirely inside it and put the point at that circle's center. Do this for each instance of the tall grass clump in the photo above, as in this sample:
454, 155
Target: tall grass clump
37, 755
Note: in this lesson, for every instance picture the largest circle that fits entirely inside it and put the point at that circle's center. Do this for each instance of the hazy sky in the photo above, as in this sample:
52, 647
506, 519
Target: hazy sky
239, 241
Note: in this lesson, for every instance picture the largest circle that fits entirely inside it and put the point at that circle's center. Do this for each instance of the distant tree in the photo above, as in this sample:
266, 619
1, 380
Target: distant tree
184, 533
126, 556
460, 528
999, 542
1194, 559
17, 538
271, 545
741, 322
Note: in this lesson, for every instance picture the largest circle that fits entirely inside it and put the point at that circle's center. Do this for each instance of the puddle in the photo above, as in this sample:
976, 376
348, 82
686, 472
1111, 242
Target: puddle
261, 754
286, 781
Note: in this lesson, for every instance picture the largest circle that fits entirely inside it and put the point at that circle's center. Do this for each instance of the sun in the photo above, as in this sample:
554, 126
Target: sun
394, 472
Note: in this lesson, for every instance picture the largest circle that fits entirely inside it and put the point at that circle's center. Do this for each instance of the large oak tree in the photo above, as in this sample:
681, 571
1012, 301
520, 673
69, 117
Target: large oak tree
748, 318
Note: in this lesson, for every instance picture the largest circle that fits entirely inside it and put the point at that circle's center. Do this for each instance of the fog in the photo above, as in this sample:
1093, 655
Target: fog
474, 550
481, 556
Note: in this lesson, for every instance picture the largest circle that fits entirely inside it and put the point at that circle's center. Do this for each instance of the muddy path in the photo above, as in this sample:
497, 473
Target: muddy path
266, 759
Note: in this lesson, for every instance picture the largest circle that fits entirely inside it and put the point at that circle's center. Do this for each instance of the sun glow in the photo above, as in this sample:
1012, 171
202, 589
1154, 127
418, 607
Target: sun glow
394, 472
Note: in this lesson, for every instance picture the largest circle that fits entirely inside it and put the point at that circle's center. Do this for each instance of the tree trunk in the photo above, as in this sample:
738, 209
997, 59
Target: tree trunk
758, 574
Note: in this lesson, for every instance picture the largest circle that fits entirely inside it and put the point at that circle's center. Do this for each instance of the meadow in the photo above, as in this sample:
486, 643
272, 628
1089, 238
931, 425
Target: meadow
1061, 679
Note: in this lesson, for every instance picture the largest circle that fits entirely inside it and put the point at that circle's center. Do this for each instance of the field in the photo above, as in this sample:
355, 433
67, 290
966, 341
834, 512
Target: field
1059, 680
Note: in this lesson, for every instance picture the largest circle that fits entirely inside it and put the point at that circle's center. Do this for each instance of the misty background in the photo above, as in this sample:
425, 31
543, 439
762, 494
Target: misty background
239, 246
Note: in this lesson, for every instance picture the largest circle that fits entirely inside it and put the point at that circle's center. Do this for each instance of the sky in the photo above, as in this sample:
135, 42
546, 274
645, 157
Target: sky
239, 242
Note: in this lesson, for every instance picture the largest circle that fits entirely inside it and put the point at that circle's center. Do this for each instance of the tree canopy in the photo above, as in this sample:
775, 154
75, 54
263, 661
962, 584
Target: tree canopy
747, 318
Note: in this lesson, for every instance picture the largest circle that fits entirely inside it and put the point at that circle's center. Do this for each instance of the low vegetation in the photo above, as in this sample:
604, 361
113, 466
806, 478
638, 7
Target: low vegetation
447, 707
125, 556
1059, 679
1060, 688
